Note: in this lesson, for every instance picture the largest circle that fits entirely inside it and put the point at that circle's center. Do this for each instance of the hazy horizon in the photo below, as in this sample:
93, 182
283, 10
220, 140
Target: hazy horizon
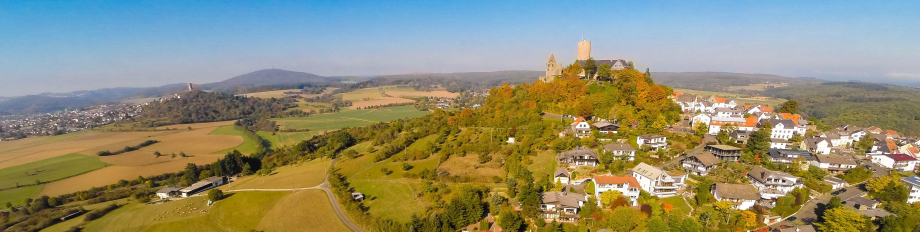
81, 45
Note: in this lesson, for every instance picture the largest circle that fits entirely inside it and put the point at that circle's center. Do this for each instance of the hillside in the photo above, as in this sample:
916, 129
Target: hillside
457, 82
50, 102
720, 81
861, 104
271, 77
199, 106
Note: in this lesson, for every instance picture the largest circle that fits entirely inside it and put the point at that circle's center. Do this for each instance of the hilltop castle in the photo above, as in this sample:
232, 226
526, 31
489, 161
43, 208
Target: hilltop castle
554, 69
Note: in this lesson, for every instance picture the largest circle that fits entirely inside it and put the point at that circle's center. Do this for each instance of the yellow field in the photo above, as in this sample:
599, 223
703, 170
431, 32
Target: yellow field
307, 210
361, 95
381, 101
112, 174
436, 93
29, 150
305, 175
271, 94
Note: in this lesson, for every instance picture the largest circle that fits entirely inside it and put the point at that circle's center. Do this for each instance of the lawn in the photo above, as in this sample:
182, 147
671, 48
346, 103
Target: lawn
47, 170
307, 210
65, 225
303, 175
392, 199
349, 118
544, 164
240, 211
17, 195
679, 204
785, 211
247, 147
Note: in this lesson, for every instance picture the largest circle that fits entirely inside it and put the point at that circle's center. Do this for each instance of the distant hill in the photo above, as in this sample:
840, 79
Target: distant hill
720, 81
456, 82
271, 77
50, 102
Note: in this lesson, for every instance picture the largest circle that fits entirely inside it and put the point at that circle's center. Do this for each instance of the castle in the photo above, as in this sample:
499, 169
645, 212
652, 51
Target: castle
554, 69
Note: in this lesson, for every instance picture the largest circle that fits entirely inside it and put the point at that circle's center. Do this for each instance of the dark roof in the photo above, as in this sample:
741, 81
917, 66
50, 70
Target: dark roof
169, 189
725, 147
706, 158
787, 123
619, 147
761, 174
578, 151
562, 172
600, 62
901, 157
737, 191
650, 136
834, 179
605, 124
780, 153
835, 159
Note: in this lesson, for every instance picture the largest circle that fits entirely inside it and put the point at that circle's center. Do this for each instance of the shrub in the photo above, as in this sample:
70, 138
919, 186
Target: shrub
215, 194
98, 213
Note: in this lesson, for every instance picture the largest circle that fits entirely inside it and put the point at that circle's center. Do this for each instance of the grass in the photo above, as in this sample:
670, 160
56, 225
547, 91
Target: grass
349, 118
544, 164
785, 211
373, 171
273, 139
392, 199
679, 204
303, 175
240, 211
65, 225
247, 147
307, 210
49, 170
17, 195
360, 95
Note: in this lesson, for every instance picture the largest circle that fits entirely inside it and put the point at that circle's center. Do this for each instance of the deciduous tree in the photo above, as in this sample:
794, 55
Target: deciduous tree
841, 220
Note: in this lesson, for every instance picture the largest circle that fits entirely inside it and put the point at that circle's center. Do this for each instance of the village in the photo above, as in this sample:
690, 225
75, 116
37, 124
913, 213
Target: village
16, 127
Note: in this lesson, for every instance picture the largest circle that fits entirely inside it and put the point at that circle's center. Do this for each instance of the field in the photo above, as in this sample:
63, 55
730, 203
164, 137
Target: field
372, 97
112, 174
307, 210
247, 147
361, 95
271, 94
29, 150
45, 171
349, 118
680, 206
410, 92
392, 199
739, 98
304, 175
381, 101
544, 164
16, 195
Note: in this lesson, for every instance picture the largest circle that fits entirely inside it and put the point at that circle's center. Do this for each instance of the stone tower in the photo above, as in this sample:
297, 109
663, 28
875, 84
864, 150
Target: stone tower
584, 50
553, 69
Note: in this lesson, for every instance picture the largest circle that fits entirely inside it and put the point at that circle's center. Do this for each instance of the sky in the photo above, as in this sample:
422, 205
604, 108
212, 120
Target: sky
63, 46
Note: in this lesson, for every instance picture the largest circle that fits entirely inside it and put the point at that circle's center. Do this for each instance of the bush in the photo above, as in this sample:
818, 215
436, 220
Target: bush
215, 195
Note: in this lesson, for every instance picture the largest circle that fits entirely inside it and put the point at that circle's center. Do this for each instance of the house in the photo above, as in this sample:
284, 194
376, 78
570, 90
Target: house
874, 130
729, 112
725, 152
787, 156
626, 185
356, 196
862, 203
168, 192
654, 142
581, 128
561, 176
740, 137
817, 145
836, 183
773, 184
621, 150
900, 162
657, 182
606, 127
561, 206
782, 128
834, 164
743, 124
742, 196
778, 144
580, 156
203, 185
913, 184
700, 118
700, 163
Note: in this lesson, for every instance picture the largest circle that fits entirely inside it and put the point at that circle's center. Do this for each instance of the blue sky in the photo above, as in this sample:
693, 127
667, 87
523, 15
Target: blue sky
61, 46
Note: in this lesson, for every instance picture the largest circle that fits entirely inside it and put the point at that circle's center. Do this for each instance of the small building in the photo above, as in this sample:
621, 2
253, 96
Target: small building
580, 156
561, 206
655, 142
778, 144
818, 145
787, 156
561, 176
740, 136
356, 196
656, 181
833, 163
606, 127
203, 185
725, 152
773, 184
168, 192
862, 203
742, 196
900, 162
700, 163
626, 185
836, 183
581, 128
913, 187
621, 150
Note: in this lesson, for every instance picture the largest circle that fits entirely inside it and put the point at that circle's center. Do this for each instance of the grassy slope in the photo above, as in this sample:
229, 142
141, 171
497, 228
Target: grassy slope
247, 147
307, 210
544, 164
359, 95
303, 175
48, 170
349, 118
680, 206
393, 199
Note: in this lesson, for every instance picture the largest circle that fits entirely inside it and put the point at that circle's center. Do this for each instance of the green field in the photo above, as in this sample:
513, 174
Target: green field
47, 170
544, 164
680, 206
737, 97
247, 147
392, 199
349, 118
303, 175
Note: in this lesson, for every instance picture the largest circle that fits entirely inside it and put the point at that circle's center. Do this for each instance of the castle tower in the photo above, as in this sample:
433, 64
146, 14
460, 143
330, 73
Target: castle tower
553, 69
584, 50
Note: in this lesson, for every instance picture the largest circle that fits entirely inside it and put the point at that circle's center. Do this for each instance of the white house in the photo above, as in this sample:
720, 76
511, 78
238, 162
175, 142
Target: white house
818, 145
742, 124
606, 127
773, 184
626, 185
700, 163
657, 182
168, 192
561, 176
778, 144
701, 118
621, 150
561, 206
833, 163
787, 156
581, 128
654, 142
913, 183
742, 196
900, 162
782, 128
836, 183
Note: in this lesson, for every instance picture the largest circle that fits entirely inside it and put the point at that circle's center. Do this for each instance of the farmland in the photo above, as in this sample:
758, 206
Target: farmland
349, 118
44, 171
739, 98
247, 147
303, 175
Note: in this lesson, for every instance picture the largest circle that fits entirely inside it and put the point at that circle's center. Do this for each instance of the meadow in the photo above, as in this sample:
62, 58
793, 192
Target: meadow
47, 170
349, 118
302, 175
741, 99
247, 147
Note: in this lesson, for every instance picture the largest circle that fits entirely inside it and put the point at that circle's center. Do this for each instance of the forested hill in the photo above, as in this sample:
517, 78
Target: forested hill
720, 81
856, 103
271, 77
199, 106
457, 82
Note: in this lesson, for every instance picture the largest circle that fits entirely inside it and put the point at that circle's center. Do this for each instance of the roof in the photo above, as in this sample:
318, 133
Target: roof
737, 191
766, 108
901, 157
912, 180
834, 179
564, 199
202, 183
619, 147
812, 143
604, 124
835, 159
169, 189
718, 99
725, 147
793, 117
706, 158
616, 180
862, 201
788, 124
891, 145
561, 171
778, 141
648, 171
650, 136
761, 173
578, 151
781, 153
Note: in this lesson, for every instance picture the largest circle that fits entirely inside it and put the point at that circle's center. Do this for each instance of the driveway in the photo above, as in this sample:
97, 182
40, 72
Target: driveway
808, 214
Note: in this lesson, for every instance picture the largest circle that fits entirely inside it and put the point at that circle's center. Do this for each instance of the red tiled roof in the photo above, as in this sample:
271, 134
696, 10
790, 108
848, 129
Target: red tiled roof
719, 99
875, 128
892, 147
766, 108
891, 132
901, 157
617, 180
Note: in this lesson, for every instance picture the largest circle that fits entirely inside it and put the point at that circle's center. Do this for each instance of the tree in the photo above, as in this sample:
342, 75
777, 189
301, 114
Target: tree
841, 220
589, 188
604, 72
759, 143
204, 174
790, 106
590, 68
9, 205
624, 219
894, 192
157, 154
655, 223
750, 219
607, 197
701, 128
246, 169
511, 221
876, 185
724, 207
215, 195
